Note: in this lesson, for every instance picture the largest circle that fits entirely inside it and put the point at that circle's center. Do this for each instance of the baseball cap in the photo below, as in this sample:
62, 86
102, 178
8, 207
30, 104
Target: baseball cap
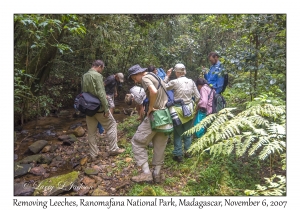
121, 77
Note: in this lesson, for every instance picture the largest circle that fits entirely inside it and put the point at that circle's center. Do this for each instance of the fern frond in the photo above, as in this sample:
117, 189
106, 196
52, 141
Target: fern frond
260, 142
214, 121
271, 148
276, 129
234, 127
266, 110
206, 122
283, 161
260, 132
249, 132
259, 120
202, 143
242, 147
273, 187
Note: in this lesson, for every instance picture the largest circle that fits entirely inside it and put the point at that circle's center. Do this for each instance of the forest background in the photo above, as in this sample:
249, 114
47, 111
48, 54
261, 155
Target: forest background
227, 52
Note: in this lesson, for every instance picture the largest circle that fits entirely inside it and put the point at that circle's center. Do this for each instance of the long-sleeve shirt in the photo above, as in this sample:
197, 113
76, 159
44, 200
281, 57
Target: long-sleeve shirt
184, 89
92, 82
214, 78
204, 101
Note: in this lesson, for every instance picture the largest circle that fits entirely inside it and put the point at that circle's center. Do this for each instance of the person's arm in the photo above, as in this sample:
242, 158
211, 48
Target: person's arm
152, 99
106, 81
213, 76
168, 74
171, 85
140, 110
100, 91
202, 105
116, 91
196, 93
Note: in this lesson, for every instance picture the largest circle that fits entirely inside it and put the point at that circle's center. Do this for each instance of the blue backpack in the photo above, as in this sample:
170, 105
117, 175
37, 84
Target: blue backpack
161, 73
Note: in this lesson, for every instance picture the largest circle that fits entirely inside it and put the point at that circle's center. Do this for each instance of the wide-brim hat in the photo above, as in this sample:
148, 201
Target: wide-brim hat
135, 70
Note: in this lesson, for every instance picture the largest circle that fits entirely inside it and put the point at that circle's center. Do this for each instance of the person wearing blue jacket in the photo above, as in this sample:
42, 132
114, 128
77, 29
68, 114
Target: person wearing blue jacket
213, 76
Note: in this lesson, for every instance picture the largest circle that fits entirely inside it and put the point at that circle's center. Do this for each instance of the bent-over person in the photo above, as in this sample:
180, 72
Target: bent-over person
144, 134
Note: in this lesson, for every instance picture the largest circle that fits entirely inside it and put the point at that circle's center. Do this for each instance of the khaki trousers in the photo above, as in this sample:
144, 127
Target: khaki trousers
109, 124
142, 138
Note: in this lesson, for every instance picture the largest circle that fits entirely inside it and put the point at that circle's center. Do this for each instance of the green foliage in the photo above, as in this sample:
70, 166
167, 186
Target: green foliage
283, 161
145, 190
21, 90
26, 104
56, 49
276, 186
129, 126
270, 98
222, 176
259, 130
258, 48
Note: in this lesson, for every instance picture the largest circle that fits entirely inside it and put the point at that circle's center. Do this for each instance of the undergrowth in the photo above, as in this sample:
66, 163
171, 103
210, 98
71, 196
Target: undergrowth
213, 176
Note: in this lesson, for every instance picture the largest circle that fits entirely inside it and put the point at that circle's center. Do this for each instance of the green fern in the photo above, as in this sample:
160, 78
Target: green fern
273, 187
283, 161
255, 131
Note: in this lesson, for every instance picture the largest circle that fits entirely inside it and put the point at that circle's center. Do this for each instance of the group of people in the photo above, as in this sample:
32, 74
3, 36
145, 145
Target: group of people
154, 94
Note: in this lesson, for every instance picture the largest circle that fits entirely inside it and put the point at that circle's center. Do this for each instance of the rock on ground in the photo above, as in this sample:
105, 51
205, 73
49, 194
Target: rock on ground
37, 146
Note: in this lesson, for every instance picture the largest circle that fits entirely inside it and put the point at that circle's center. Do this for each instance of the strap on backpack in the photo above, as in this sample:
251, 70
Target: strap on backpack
159, 81
211, 92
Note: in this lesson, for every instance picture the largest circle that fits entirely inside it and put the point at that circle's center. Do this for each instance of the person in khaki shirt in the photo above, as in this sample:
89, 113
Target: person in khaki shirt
92, 82
184, 89
144, 134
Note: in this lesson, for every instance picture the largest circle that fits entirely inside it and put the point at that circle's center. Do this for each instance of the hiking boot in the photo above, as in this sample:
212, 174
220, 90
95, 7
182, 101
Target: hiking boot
156, 177
178, 159
117, 152
142, 178
187, 155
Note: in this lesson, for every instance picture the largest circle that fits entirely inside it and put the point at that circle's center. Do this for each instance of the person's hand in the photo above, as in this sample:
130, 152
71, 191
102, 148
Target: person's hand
150, 110
106, 114
169, 72
204, 70
116, 94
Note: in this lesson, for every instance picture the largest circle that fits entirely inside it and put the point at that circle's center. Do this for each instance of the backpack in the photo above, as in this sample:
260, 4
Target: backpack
218, 102
161, 73
225, 83
87, 104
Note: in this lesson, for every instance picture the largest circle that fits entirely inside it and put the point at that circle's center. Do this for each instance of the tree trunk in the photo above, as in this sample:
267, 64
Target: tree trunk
40, 66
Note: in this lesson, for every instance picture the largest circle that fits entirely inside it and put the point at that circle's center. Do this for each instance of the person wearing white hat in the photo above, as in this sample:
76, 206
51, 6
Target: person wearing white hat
137, 96
111, 83
184, 90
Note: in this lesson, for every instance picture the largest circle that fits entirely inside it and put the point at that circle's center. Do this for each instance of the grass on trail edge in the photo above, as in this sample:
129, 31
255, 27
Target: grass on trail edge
220, 176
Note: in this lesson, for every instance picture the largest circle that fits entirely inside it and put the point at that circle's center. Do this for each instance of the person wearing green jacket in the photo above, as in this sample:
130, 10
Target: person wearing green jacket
92, 83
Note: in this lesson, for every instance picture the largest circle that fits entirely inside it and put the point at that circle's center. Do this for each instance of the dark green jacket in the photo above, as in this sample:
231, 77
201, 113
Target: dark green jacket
93, 83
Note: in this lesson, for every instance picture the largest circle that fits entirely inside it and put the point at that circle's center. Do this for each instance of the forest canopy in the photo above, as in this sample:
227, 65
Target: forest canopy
52, 51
